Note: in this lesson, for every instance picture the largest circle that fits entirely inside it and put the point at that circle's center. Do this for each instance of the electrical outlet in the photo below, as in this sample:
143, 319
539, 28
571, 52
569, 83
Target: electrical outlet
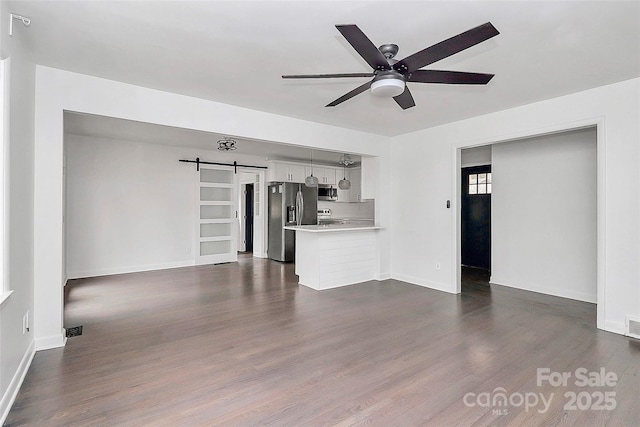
188, 248
438, 266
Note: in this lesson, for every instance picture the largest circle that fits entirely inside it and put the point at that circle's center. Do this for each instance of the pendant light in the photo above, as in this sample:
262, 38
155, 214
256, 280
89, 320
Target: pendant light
344, 183
311, 181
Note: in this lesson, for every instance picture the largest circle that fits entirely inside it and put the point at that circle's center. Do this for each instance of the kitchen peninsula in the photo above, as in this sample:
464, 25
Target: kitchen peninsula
330, 256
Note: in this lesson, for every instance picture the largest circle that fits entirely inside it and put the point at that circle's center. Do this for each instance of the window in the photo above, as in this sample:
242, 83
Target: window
480, 183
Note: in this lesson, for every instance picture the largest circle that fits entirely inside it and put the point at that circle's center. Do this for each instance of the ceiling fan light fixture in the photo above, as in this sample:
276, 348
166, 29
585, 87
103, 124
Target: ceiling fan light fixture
388, 84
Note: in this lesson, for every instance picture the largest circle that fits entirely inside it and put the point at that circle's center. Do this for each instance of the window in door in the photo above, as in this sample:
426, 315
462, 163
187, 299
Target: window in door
480, 183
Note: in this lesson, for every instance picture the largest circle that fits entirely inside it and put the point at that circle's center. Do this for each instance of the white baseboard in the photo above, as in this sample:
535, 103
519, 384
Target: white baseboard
326, 288
53, 341
424, 283
348, 284
128, 269
562, 293
384, 276
615, 327
16, 382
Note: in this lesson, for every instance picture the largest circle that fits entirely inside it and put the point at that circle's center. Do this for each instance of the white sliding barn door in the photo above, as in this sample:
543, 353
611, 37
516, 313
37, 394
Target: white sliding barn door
217, 224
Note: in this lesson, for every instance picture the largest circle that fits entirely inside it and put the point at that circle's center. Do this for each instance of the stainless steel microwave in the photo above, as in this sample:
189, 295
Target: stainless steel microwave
327, 192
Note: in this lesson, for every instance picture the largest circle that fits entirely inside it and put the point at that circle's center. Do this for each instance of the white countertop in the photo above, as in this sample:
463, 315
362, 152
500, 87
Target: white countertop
331, 228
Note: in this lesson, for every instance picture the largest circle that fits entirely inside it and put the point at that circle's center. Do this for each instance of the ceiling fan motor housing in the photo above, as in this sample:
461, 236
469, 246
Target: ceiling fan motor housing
388, 83
389, 50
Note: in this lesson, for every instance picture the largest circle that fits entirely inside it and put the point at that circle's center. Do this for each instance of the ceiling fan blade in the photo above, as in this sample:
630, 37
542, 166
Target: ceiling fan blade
326, 76
364, 47
446, 48
449, 77
350, 95
405, 99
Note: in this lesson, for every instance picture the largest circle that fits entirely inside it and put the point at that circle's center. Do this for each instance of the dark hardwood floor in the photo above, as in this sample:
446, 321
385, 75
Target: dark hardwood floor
243, 345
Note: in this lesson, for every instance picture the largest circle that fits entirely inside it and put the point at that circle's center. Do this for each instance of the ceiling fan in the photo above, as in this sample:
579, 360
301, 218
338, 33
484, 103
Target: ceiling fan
390, 76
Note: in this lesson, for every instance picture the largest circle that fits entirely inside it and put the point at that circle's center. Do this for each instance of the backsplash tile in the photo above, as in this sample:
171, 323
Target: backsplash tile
356, 210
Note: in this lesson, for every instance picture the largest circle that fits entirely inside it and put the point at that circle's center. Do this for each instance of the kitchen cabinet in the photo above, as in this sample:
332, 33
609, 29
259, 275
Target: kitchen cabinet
296, 172
329, 175
286, 172
329, 257
326, 175
355, 193
369, 177
344, 195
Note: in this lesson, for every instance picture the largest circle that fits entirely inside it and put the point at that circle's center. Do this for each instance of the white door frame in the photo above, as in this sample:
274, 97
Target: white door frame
259, 211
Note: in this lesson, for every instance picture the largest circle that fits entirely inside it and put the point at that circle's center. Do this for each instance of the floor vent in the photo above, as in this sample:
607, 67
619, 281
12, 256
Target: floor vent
74, 332
633, 328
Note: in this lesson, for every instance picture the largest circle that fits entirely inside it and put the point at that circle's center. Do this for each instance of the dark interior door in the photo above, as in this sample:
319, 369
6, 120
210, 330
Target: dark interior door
248, 219
476, 217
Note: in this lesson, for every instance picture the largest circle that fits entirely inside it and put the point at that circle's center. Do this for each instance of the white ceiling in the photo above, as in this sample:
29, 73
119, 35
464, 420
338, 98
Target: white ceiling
235, 52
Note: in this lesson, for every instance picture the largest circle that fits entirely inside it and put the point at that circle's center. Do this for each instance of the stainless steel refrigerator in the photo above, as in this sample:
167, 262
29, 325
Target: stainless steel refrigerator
283, 211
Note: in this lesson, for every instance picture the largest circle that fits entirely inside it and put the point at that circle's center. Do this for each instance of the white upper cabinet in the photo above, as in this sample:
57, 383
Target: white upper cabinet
277, 172
369, 177
286, 172
355, 193
326, 174
344, 195
330, 176
297, 172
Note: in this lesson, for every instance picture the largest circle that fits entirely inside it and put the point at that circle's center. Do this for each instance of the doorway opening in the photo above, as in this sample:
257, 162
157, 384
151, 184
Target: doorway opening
251, 221
476, 224
542, 208
247, 217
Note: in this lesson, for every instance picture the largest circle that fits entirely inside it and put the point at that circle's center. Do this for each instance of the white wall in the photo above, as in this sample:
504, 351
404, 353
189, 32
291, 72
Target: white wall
128, 207
543, 214
476, 156
426, 232
376, 184
131, 206
58, 91
17, 348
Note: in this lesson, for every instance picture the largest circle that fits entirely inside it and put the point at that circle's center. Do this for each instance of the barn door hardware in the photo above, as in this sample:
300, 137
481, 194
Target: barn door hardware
235, 164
